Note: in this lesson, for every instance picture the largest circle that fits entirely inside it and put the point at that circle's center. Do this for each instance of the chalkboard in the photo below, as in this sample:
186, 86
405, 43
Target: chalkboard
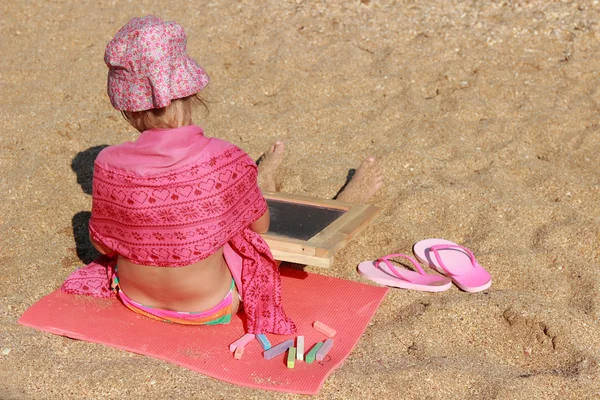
307, 230
300, 221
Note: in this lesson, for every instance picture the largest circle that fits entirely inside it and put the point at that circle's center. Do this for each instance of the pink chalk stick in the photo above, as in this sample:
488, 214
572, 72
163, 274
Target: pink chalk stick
324, 329
324, 350
239, 352
241, 342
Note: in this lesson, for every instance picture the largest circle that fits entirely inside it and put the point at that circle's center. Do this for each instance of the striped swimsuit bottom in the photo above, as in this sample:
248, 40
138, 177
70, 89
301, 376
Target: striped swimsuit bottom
219, 314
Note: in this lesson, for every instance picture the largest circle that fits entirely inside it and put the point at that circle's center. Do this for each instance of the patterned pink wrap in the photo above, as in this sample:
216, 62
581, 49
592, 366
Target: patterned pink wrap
174, 197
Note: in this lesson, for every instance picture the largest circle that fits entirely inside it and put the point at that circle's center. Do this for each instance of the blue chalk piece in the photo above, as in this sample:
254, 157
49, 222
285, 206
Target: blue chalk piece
279, 349
264, 342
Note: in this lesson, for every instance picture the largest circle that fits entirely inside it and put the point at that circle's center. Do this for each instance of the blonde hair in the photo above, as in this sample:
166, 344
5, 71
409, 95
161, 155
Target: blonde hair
175, 115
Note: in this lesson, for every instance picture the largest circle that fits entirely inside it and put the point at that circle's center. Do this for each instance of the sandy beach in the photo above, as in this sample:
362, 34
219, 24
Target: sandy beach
484, 117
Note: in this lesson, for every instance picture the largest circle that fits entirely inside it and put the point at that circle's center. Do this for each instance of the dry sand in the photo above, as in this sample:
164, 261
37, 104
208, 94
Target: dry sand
483, 115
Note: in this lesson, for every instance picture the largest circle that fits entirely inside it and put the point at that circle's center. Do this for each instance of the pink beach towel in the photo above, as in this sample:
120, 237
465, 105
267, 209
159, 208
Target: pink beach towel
345, 306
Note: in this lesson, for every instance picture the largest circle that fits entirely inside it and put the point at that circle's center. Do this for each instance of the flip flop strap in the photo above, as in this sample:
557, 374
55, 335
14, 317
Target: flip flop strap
394, 269
437, 247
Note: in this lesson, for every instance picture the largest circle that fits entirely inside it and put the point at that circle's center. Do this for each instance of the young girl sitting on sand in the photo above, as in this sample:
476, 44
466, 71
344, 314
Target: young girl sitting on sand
178, 215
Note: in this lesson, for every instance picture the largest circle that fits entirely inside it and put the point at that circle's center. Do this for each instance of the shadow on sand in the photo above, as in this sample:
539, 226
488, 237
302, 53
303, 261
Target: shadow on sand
83, 166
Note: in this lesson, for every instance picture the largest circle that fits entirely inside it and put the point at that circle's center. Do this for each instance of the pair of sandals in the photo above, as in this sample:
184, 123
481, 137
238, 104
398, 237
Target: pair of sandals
456, 263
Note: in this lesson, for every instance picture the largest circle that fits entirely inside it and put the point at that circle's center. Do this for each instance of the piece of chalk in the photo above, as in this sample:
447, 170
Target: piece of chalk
300, 348
310, 357
279, 349
291, 357
239, 352
324, 350
264, 342
241, 342
324, 329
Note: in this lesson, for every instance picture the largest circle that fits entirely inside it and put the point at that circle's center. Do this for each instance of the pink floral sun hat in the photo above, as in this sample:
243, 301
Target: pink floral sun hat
148, 65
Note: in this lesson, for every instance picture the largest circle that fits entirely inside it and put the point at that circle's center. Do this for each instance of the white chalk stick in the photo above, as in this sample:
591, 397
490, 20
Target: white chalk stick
300, 348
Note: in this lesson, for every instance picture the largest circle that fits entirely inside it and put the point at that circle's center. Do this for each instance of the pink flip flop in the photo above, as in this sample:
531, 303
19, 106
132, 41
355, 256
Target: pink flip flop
455, 261
383, 272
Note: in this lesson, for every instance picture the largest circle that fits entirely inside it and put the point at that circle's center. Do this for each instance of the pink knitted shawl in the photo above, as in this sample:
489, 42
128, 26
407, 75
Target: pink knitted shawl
174, 197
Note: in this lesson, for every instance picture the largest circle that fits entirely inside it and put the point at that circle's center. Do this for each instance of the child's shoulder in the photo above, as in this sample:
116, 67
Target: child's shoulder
223, 148
108, 155
217, 145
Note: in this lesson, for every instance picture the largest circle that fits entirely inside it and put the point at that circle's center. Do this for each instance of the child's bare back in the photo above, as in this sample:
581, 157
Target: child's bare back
180, 289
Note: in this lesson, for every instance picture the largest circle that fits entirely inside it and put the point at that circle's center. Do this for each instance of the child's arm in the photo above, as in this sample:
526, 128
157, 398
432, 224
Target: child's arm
261, 225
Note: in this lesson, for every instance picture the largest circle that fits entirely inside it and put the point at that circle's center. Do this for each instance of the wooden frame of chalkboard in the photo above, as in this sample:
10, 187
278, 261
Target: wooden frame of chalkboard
289, 243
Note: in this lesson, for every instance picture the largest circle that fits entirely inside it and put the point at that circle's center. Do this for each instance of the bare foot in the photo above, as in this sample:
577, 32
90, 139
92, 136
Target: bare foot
268, 165
366, 181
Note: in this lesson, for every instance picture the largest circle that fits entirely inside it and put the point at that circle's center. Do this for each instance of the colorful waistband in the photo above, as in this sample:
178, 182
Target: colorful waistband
219, 314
